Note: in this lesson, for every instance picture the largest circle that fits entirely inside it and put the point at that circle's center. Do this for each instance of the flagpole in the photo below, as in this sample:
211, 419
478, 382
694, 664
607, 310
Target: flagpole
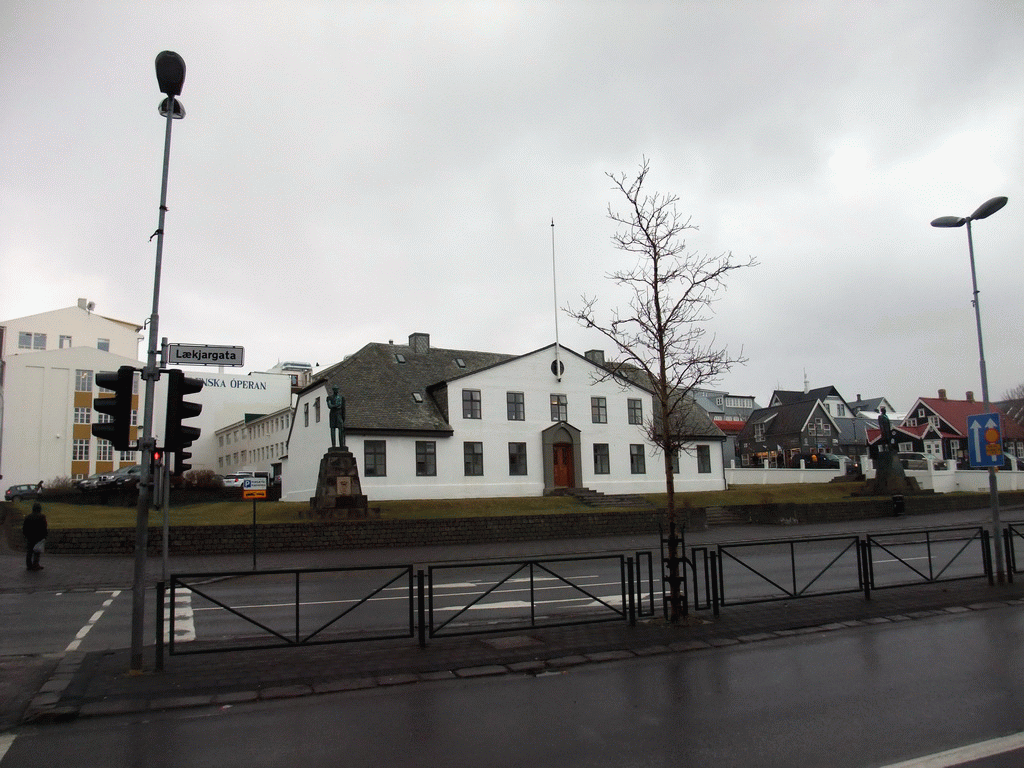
554, 283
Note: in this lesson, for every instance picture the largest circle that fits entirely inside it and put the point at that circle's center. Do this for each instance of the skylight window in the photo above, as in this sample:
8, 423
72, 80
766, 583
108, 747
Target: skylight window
460, 362
399, 358
417, 397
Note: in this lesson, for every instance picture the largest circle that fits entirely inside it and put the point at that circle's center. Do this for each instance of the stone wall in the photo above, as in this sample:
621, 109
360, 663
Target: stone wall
348, 534
357, 534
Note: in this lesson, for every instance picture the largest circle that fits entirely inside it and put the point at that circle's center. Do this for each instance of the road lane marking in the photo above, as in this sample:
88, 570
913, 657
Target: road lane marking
440, 591
6, 739
968, 754
73, 645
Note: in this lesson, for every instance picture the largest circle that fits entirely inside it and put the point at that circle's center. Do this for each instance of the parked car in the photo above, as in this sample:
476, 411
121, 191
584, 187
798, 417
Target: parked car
19, 492
817, 460
235, 479
120, 477
920, 461
89, 483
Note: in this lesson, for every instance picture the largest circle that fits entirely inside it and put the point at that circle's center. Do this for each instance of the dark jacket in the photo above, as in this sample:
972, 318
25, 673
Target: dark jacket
34, 526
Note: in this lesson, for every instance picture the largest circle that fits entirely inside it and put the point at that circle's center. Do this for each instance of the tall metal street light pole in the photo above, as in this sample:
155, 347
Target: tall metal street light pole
985, 210
170, 75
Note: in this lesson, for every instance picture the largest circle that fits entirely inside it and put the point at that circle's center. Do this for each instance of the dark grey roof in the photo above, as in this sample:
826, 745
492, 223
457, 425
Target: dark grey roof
379, 389
788, 396
693, 422
780, 419
868, 404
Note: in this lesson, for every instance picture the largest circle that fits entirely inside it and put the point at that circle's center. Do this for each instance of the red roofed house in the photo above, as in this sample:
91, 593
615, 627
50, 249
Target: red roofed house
937, 426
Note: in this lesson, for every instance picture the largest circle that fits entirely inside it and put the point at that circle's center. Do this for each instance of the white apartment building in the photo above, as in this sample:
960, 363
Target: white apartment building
48, 364
47, 385
256, 443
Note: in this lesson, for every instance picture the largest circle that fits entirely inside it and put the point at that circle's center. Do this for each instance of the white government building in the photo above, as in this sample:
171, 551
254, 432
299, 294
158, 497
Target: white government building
424, 422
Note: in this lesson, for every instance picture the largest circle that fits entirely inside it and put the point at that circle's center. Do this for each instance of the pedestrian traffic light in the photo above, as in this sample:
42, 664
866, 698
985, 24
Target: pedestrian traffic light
178, 436
118, 407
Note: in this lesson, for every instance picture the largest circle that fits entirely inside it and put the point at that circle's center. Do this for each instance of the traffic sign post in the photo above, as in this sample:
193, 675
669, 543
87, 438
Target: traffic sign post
254, 488
985, 440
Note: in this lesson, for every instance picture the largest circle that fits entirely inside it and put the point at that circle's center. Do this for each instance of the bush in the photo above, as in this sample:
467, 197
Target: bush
58, 485
202, 478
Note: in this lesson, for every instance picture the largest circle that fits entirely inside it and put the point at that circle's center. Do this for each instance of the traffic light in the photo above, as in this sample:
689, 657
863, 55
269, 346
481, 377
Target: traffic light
181, 465
178, 436
118, 407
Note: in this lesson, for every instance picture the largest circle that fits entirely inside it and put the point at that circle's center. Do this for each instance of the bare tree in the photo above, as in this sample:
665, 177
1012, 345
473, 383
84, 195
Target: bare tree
662, 339
1017, 393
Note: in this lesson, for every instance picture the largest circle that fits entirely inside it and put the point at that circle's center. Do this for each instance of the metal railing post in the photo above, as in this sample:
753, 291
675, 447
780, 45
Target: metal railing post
170, 633
421, 607
986, 556
713, 557
864, 552
1011, 561
632, 593
160, 626
298, 603
533, 601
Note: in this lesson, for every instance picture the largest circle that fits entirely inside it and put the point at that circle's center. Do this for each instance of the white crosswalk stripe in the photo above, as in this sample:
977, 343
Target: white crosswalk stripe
184, 624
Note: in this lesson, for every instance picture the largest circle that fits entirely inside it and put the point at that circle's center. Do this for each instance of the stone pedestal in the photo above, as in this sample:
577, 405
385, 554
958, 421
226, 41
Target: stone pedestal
890, 479
337, 487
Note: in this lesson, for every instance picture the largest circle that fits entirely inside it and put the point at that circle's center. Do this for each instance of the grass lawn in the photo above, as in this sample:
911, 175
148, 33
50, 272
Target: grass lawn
240, 512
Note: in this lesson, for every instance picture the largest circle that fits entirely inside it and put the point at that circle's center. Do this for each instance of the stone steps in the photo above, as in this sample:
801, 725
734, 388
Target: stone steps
600, 500
725, 516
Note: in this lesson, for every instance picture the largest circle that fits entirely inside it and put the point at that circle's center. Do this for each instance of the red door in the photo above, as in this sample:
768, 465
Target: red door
563, 465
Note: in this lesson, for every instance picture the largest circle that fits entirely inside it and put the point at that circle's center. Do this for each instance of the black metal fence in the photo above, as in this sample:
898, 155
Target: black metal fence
742, 573
517, 594
278, 608
928, 555
247, 610
1013, 535
754, 572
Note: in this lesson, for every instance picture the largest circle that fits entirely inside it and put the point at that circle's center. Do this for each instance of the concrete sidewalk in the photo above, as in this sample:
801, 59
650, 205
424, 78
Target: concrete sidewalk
95, 684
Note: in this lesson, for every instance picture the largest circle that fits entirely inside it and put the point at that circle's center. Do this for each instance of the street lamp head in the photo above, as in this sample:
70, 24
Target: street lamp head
178, 110
170, 72
987, 208
949, 221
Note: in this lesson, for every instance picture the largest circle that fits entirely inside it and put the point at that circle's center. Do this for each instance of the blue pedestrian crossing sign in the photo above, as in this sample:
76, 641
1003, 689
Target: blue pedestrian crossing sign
985, 440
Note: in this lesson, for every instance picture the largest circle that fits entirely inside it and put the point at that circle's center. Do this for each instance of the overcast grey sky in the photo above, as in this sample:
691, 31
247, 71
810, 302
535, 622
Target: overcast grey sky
351, 172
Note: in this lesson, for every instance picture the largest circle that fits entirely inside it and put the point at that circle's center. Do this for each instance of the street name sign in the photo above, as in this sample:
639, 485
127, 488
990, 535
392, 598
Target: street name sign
985, 440
204, 354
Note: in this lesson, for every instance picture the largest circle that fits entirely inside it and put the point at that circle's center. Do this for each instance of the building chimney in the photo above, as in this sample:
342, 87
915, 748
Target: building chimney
970, 397
595, 356
420, 343
942, 394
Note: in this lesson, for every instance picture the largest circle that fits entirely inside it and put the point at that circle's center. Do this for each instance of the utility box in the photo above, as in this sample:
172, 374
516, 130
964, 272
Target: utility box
898, 505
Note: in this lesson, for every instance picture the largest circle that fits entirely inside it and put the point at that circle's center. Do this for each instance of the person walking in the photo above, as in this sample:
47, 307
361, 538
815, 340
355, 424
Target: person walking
35, 530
